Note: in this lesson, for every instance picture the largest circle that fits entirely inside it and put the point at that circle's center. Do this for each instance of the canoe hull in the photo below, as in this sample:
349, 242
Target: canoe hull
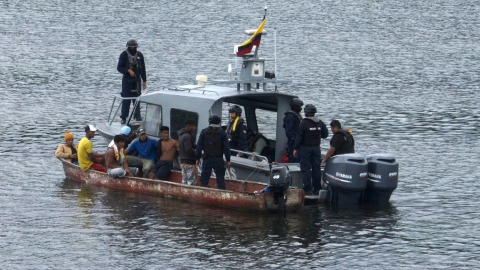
239, 194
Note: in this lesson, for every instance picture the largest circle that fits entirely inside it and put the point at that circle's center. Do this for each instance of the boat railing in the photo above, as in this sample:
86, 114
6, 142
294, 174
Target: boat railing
110, 121
193, 89
251, 155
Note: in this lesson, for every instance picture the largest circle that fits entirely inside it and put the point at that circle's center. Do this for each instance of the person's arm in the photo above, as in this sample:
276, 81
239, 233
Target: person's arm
324, 131
144, 71
187, 143
226, 147
125, 166
59, 153
198, 152
298, 139
289, 124
243, 136
122, 64
328, 154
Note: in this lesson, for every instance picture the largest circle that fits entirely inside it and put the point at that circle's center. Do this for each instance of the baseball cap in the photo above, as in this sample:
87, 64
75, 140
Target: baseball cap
126, 130
90, 128
141, 131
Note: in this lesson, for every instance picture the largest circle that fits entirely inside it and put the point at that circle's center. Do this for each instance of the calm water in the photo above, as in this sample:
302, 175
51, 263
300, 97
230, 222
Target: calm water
405, 75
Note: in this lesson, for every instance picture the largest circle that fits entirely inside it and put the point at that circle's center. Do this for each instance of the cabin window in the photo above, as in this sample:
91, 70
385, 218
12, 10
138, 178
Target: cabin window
177, 121
153, 119
267, 122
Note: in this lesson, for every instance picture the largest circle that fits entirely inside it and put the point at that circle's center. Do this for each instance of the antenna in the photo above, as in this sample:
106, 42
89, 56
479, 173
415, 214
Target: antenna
275, 54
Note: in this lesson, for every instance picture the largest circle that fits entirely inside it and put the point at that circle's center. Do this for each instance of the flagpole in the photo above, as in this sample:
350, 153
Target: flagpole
275, 54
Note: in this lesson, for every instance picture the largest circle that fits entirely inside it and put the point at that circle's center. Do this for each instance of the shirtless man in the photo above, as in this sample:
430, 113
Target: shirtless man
115, 159
166, 150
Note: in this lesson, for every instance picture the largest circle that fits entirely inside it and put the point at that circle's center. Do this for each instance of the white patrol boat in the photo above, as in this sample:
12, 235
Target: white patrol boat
263, 112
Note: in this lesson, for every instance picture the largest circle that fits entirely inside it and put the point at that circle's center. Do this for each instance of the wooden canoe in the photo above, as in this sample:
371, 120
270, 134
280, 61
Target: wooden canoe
238, 194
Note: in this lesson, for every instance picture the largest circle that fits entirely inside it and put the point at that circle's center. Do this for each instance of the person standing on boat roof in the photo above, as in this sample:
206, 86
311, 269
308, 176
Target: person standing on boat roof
145, 148
187, 152
236, 129
115, 159
166, 151
291, 121
131, 64
308, 138
214, 144
68, 151
342, 141
87, 159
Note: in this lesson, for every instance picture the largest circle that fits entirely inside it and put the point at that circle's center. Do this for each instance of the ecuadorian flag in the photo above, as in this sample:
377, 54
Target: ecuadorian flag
247, 46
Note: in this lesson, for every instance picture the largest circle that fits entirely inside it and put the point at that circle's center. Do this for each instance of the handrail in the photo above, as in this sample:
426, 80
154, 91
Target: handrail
110, 121
252, 154
189, 90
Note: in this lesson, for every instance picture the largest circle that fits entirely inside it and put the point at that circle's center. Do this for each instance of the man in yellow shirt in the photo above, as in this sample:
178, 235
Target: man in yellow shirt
86, 157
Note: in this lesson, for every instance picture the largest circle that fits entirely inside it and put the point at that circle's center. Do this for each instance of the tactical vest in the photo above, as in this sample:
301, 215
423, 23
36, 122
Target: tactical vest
134, 62
313, 128
347, 147
296, 124
235, 135
212, 142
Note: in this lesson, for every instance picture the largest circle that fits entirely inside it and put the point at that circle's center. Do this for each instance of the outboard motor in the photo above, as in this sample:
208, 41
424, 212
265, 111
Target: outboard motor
382, 178
280, 180
346, 176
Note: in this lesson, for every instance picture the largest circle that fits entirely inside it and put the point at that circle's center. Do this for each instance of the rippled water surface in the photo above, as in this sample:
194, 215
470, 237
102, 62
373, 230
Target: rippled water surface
404, 75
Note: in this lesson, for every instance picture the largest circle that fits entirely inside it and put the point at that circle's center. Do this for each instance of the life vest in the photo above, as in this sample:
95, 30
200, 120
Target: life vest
313, 129
212, 142
296, 124
348, 146
233, 130
134, 62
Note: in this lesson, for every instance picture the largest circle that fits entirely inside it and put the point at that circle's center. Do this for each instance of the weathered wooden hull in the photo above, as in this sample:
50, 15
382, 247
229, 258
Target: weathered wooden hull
239, 194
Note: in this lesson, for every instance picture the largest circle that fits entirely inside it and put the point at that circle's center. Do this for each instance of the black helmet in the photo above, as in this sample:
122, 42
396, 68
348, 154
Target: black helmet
296, 102
214, 119
132, 43
310, 109
235, 109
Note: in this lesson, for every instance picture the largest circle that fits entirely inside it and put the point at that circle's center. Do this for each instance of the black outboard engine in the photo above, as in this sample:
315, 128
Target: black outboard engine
346, 176
382, 178
280, 180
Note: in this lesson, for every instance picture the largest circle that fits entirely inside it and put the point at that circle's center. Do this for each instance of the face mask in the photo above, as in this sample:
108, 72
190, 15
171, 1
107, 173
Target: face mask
132, 50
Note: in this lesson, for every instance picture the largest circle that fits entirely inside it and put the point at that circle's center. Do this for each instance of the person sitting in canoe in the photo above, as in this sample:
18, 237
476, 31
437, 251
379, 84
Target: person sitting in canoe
68, 150
166, 151
146, 152
87, 159
115, 159
128, 134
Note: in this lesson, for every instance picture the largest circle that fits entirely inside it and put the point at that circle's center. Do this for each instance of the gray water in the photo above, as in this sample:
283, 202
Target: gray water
404, 75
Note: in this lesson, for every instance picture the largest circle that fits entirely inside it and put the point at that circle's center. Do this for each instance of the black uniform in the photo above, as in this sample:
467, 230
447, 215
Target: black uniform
237, 134
214, 144
343, 142
291, 121
131, 86
310, 130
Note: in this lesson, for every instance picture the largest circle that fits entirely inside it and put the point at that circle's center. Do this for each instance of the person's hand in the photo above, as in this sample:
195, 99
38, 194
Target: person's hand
128, 172
228, 164
73, 156
323, 161
295, 153
198, 162
144, 85
132, 74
